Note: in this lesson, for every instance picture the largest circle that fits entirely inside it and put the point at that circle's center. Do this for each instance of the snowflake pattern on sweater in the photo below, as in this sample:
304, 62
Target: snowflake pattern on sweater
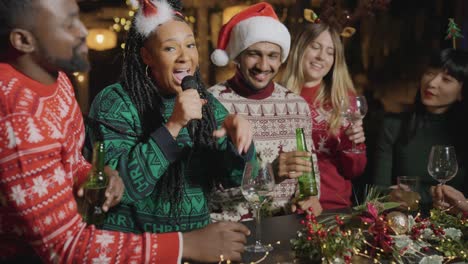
41, 136
337, 168
274, 121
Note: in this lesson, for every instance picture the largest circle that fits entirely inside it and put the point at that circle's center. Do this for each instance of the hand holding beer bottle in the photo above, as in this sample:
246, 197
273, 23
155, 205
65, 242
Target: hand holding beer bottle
307, 181
307, 199
95, 188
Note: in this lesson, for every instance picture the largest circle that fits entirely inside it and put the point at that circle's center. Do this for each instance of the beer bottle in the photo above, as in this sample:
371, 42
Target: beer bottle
307, 181
95, 188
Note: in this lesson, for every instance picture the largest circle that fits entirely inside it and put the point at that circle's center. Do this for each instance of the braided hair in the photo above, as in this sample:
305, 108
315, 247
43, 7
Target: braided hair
145, 94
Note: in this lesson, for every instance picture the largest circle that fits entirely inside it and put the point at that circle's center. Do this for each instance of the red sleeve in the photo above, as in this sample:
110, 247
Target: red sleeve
351, 165
38, 211
82, 171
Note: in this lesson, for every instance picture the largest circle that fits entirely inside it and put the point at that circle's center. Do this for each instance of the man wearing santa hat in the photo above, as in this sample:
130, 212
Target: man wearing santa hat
258, 43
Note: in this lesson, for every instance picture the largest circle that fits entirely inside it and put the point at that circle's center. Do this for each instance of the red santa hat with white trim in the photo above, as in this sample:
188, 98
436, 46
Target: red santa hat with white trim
257, 23
152, 13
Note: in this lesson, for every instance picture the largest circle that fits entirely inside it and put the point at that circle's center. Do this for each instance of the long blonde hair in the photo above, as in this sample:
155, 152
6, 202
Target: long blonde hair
336, 85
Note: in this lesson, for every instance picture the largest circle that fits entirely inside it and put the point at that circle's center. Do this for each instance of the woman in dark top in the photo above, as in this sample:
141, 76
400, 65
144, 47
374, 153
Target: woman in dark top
406, 139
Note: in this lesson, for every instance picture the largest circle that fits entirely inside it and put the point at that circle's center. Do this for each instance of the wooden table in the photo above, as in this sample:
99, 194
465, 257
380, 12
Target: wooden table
282, 229
274, 229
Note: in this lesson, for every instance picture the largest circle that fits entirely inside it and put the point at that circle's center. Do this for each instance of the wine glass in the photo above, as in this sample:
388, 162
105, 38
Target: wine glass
354, 109
257, 185
442, 165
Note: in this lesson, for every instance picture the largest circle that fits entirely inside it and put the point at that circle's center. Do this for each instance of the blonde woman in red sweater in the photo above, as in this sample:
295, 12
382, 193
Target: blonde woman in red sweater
316, 69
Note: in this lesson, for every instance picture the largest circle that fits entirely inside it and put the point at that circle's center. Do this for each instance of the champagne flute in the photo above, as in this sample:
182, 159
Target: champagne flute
442, 165
257, 185
353, 110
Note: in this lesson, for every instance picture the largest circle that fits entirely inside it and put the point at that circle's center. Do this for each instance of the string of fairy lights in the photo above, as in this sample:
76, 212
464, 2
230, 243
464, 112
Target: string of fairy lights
122, 24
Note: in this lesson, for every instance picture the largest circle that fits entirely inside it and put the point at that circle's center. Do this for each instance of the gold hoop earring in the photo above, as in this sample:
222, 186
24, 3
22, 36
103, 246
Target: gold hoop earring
146, 71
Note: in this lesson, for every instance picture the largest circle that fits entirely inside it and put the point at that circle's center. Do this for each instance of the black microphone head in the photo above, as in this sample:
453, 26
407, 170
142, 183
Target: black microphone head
188, 82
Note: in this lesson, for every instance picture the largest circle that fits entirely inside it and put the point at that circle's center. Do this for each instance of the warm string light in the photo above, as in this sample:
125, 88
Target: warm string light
79, 76
123, 24
222, 260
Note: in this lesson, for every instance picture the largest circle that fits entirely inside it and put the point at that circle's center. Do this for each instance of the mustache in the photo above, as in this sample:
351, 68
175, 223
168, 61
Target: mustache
257, 70
82, 42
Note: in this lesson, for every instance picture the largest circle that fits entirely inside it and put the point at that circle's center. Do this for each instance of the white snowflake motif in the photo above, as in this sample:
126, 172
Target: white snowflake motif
137, 250
54, 258
18, 195
71, 205
103, 259
48, 220
59, 175
71, 160
321, 145
61, 215
40, 186
36, 229
105, 240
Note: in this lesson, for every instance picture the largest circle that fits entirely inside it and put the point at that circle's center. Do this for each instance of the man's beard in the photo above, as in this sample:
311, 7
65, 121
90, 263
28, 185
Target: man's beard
77, 63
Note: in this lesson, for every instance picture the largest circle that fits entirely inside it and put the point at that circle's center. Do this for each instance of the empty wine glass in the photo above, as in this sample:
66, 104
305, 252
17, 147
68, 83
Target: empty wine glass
354, 109
257, 185
442, 165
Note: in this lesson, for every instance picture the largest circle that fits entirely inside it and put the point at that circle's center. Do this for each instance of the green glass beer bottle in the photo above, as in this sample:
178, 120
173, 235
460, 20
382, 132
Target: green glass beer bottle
307, 181
95, 188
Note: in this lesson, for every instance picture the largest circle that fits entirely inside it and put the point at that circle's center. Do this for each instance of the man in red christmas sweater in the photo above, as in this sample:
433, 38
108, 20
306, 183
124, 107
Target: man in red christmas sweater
41, 136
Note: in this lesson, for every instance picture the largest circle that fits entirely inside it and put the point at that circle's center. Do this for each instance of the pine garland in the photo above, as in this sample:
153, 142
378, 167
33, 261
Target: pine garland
368, 232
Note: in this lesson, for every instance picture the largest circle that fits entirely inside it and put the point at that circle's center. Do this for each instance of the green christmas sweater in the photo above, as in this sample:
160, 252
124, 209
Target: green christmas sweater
142, 162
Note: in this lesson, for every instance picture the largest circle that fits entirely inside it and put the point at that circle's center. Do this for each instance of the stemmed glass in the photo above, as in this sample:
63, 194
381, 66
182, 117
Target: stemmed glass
354, 110
442, 165
257, 185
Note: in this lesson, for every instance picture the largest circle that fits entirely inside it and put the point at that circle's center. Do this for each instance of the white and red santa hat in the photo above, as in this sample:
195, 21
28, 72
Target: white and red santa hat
152, 13
257, 23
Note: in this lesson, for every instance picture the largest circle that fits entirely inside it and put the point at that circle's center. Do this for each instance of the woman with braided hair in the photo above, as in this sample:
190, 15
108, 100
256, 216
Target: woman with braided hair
169, 145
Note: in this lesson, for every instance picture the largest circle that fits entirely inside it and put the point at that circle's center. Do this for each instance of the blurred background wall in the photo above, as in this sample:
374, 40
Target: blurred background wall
385, 55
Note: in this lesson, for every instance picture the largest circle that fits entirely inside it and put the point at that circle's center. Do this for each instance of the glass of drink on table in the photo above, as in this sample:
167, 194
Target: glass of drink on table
257, 186
408, 187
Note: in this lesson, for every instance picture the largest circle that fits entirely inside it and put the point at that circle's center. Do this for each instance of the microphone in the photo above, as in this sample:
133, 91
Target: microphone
190, 82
